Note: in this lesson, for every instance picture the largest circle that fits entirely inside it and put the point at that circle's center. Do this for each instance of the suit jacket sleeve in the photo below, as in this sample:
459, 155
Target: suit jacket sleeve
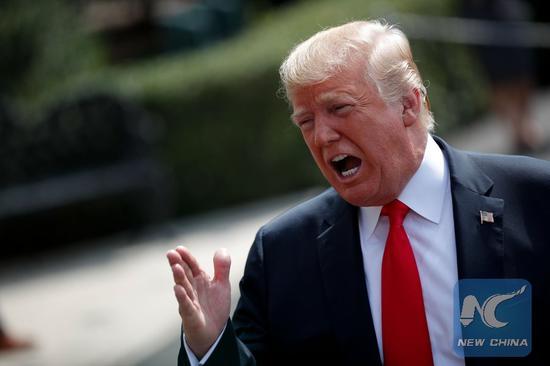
244, 341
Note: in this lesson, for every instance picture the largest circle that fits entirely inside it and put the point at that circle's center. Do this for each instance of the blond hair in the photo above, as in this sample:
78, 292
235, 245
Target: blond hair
386, 53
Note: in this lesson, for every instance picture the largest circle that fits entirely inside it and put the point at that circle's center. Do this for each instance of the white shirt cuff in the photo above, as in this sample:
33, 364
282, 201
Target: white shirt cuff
193, 360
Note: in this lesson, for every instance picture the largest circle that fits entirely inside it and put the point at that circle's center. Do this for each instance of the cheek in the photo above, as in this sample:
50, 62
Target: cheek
309, 144
314, 151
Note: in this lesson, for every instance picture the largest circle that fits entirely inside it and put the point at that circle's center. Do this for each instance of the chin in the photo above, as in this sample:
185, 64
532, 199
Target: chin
355, 197
363, 197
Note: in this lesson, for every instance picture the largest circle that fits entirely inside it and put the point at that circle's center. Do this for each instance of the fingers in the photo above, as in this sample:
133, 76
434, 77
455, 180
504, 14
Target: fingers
222, 265
188, 258
184, 278
185, 303
173, 257
182, 256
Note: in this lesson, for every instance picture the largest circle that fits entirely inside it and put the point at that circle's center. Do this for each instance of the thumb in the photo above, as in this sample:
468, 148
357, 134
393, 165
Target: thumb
222, 264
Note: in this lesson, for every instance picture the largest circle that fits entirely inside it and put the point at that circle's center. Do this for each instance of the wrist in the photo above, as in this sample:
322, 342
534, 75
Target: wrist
199, 343
201, 352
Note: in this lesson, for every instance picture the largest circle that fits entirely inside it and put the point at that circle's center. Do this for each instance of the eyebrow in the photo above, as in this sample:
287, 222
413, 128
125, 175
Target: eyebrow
321, 98
330, 95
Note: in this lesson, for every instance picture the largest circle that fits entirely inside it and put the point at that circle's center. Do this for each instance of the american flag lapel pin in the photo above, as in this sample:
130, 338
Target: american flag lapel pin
486, 216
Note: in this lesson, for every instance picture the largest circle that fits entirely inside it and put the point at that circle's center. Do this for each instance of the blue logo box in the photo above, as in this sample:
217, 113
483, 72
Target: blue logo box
492, 318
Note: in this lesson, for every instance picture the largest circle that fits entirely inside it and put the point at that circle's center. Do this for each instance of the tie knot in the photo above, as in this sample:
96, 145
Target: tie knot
396, 211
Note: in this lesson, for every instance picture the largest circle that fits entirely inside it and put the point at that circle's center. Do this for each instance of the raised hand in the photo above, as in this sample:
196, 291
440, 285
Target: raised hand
204, 303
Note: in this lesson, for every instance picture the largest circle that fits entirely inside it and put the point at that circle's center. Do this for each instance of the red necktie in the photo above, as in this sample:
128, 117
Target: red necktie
405, 336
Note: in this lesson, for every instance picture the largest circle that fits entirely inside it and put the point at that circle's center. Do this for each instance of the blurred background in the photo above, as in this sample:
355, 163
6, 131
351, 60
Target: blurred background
130, 126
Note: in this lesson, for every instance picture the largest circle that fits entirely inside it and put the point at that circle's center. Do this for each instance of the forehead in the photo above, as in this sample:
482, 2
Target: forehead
347, 78
342, 86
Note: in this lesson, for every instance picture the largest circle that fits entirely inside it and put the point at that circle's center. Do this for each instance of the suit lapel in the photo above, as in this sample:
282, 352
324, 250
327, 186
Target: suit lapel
479, 245
343, 275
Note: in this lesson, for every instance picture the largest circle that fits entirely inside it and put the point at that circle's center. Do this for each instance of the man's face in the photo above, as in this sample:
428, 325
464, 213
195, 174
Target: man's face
366, 149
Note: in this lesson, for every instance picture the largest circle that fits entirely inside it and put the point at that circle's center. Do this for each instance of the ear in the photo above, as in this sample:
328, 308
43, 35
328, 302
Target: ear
411, 107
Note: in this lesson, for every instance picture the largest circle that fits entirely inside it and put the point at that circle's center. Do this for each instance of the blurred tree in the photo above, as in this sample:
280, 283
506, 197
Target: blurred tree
42, 42
257, 8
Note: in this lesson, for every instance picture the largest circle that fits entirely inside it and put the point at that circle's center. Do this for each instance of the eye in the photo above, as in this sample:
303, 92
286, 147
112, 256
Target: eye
342, 108
305, 123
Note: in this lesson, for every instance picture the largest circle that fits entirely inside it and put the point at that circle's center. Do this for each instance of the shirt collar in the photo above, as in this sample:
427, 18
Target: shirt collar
424, 193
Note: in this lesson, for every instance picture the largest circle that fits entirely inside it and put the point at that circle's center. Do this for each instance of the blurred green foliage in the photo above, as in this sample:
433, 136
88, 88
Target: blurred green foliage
228, 137
42, 43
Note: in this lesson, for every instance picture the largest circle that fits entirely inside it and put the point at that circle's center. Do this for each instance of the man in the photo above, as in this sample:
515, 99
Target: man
364, 273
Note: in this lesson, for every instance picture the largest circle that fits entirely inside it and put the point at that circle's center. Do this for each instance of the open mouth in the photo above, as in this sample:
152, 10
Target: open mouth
346, 165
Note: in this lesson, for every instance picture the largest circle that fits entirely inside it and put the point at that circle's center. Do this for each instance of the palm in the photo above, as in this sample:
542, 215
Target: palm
211, 303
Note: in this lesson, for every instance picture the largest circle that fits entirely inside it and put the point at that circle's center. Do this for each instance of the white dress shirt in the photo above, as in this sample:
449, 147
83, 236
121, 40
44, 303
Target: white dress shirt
430, 228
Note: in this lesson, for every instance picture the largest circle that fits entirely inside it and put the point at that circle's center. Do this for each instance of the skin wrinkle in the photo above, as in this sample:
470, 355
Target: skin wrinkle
388, 138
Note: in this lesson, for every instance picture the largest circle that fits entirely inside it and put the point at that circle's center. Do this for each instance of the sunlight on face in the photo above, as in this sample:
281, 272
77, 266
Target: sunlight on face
365, 148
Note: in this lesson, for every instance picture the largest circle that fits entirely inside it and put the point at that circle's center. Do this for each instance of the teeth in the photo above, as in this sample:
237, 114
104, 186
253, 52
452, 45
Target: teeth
349, 172
338, 158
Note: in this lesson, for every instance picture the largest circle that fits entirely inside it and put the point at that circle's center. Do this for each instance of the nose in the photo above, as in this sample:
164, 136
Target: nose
325, 134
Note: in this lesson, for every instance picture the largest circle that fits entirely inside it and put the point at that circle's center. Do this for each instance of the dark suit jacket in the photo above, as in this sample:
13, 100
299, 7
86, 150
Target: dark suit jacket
303, 294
